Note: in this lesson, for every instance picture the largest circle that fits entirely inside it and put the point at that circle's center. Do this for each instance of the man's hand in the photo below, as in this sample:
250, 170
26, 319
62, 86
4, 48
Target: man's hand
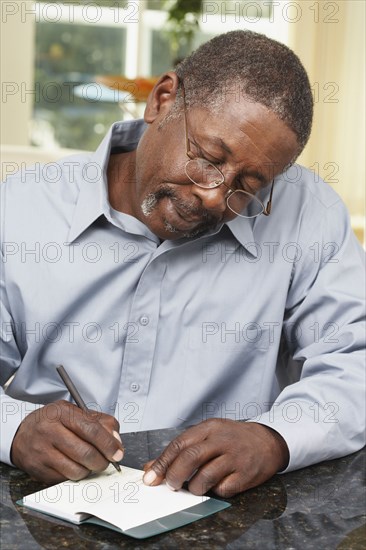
223, 455
60, 441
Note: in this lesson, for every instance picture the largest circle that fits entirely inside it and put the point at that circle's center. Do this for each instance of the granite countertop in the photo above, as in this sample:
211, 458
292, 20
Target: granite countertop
322, 506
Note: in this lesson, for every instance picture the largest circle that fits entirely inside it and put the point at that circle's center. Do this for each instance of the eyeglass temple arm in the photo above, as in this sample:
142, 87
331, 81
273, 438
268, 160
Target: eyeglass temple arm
188, 149
268, 207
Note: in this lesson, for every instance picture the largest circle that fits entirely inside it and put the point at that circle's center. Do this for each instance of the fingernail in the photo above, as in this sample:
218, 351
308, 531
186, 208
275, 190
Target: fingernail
170, 487
117, 436
150, 477
117, 456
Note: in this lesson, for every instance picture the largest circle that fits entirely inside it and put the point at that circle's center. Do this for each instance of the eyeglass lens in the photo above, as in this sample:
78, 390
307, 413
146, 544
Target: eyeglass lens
203, 173
245, 204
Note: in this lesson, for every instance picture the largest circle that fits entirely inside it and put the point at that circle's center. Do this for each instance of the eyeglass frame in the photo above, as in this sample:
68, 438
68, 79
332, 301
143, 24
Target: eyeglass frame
266, 208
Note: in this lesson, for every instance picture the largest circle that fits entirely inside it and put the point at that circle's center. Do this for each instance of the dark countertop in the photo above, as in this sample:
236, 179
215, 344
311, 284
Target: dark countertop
320, 507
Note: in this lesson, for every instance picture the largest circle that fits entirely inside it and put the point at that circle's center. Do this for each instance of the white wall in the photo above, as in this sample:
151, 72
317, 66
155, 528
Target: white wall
16, 71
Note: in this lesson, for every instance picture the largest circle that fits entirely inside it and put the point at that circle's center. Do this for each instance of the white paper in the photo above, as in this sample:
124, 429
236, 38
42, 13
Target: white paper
118, 498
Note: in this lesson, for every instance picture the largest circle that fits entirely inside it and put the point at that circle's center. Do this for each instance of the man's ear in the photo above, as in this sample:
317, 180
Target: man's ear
162, 97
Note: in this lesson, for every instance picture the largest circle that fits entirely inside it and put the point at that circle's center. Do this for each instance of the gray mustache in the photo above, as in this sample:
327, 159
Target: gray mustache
188, 209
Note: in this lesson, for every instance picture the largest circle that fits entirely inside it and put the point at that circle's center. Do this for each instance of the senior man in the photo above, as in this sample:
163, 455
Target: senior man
187, 273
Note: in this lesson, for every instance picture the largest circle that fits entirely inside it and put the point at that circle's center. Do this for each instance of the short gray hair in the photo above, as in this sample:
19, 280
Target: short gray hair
253, 67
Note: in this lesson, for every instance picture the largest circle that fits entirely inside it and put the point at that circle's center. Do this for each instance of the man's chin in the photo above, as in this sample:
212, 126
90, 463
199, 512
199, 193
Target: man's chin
167, 220
177, 233
165, 230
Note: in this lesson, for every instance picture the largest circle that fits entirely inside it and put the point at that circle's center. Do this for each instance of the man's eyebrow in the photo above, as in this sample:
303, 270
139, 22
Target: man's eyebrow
257, 175
246, 172
221, 143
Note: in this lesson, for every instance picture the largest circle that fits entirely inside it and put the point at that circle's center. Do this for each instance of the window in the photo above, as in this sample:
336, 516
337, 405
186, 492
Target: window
76, 42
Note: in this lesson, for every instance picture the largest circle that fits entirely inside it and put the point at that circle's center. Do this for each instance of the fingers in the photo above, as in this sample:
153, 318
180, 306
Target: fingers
148, 465
80, 452
182, 457
204, 470
189, 461
63, 468
220, 455
209, 476
97, 429
61, 441
230, 486
91, 428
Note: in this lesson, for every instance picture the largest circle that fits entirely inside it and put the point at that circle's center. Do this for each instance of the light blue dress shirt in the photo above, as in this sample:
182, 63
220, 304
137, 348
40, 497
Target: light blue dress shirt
260, 319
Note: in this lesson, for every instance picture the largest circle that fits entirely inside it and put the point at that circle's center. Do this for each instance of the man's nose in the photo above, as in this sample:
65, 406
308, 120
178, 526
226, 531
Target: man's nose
212, 198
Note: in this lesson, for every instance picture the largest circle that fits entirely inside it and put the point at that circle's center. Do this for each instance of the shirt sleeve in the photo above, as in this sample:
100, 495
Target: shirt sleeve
12, 411
322, 415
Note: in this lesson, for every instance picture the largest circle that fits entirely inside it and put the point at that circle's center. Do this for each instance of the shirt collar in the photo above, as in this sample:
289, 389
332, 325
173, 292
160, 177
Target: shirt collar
242, 229
93, 195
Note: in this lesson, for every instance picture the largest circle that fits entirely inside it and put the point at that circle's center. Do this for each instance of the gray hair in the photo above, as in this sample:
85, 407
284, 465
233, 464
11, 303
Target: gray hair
251, 66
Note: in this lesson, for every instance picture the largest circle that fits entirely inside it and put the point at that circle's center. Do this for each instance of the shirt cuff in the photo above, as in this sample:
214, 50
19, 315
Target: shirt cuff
310, 439
13, 413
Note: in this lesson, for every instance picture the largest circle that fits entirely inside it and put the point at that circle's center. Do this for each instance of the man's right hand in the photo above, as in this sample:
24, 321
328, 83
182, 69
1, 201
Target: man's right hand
60, 441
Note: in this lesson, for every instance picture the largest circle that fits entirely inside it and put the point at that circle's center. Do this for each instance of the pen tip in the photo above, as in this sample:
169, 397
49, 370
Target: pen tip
117, 466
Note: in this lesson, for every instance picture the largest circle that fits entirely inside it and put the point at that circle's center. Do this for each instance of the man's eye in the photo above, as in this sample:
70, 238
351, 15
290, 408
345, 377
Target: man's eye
196, 150
245, 184
215, 162
199, 153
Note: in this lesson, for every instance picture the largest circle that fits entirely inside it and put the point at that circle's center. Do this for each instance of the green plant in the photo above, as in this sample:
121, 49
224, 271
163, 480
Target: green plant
183, 22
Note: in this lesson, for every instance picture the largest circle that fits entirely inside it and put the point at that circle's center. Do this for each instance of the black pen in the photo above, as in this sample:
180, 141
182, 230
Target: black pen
77, 397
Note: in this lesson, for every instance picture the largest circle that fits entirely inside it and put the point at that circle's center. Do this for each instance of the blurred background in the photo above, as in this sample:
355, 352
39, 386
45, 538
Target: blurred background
70, 69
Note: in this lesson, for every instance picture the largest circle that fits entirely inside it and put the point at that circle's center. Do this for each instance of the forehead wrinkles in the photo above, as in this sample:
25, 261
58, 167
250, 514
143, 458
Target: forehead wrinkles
254, 149
252, 132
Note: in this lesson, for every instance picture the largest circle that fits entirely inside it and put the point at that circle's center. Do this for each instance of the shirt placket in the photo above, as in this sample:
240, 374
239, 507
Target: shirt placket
140, 342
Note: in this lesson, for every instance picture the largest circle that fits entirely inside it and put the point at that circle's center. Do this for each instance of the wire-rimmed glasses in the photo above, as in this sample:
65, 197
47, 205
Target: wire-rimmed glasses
206, 175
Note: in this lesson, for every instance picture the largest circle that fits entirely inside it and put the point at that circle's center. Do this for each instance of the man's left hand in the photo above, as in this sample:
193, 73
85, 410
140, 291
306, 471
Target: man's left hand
220, 455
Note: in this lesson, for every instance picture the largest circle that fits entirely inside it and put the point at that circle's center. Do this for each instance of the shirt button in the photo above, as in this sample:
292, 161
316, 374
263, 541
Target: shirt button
144, 320
134, 386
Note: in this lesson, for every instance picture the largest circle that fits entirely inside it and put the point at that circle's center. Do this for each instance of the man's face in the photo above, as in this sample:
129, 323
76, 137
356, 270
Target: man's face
245, 140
